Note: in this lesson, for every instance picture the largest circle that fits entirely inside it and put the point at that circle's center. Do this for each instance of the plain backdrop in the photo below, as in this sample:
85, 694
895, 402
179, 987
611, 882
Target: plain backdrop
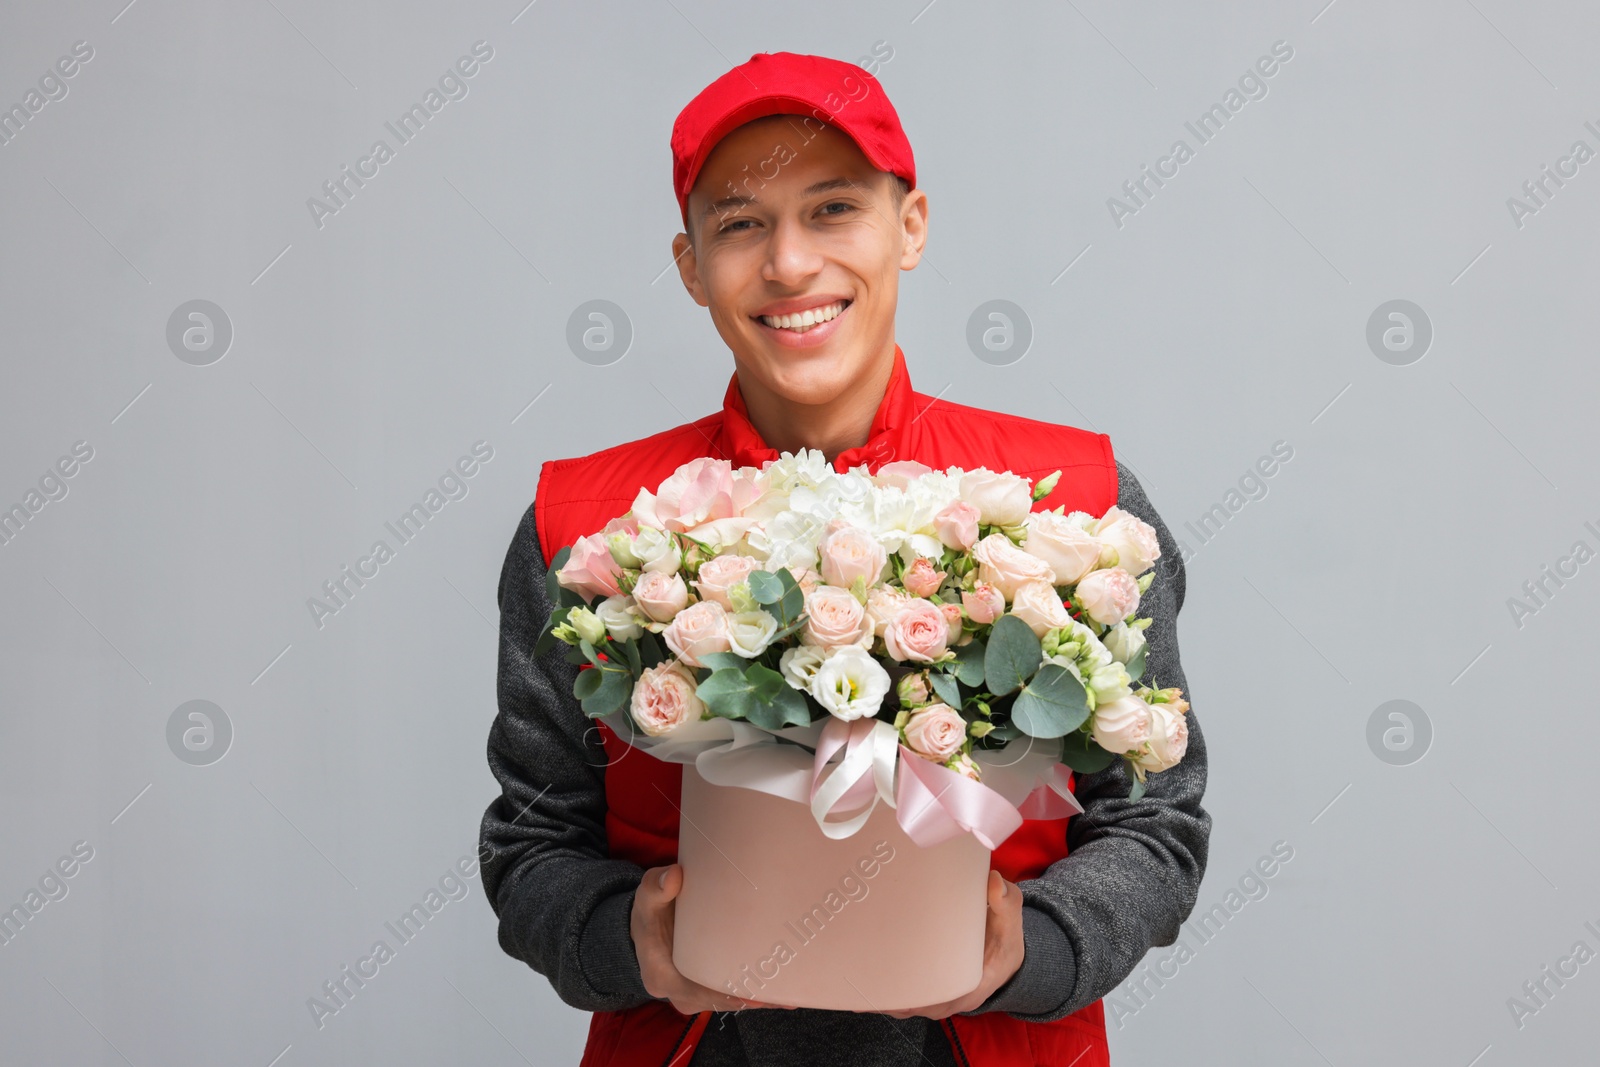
1431, 876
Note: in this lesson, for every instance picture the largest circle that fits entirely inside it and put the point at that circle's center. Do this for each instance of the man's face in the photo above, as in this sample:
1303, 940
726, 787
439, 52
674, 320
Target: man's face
790, 217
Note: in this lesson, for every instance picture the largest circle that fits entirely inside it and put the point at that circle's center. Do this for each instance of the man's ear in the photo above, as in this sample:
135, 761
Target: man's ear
683, 255
914, 224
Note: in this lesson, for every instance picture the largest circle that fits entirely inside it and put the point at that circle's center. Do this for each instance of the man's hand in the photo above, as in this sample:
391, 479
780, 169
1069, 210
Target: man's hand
1002, 951
654, 907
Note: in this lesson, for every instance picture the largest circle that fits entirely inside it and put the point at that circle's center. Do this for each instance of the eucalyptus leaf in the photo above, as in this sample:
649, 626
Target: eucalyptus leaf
945, 685
1138, 787
1012, 656
553, 587
1080, 752
613, 692
969, 662
766, 587
727, 693
1051, 704
1135, 665
718, 660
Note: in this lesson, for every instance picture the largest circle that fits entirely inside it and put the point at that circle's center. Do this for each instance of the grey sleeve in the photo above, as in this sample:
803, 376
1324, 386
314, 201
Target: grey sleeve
1133, 868
564, 905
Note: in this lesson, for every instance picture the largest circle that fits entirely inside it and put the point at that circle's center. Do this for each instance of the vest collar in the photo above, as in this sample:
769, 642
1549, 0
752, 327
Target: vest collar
889, 437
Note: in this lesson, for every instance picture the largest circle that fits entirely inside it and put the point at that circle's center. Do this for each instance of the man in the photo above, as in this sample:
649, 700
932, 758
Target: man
800, 210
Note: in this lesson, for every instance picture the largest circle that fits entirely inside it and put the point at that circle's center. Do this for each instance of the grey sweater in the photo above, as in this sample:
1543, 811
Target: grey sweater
1130, 878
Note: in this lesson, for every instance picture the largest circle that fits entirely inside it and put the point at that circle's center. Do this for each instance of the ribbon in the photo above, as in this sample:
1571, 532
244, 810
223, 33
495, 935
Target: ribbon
1024, 780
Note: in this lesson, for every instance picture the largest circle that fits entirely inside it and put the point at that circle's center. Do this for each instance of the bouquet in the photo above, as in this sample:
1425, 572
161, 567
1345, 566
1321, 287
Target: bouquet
935, 602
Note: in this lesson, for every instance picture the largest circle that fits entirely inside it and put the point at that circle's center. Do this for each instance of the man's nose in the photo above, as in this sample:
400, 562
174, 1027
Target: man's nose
792, 255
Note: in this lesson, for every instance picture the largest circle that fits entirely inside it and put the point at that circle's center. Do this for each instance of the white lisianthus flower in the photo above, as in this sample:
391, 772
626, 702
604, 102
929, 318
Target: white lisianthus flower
750, 632
799, 664
1110, 682
587, 624
623, 620
850, 683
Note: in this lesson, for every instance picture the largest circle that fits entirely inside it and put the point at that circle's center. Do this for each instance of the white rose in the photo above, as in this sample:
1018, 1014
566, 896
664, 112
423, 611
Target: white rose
622, 619
1122, 725
750, 632
1124, 642
1109, 596
1039, 605
1002, 498
850, 684
1135, 540
1169, 738
1061, 542
657, 550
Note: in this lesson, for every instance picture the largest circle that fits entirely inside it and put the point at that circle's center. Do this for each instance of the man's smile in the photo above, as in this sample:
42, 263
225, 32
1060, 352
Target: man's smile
802, 317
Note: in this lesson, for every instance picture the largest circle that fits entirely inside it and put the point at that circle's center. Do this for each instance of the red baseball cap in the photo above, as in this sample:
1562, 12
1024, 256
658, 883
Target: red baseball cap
785, 83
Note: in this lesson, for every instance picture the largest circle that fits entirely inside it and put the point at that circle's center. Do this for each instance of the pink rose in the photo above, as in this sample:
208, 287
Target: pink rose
1122, 725
901, 473
1109, 595
1039, 605
957, 524
884, 602
1005, 566
660, 596
952, 618
1169, 738
849, 552
664, 699
1002, 498
835, 617
920, 579
721, 573
1070, 550
698, 630
919, 633
705, 498
590, 571
1134, 539
936, 732
984, 602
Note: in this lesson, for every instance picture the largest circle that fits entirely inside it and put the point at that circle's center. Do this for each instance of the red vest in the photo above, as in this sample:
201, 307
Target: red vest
579, 496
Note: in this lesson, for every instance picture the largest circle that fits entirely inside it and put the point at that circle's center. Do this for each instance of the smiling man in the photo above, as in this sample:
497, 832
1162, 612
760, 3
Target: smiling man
800, 208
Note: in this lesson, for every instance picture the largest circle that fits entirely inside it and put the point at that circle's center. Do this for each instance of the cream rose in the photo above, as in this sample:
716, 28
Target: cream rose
657, 550
1002, 499
1067, 547
849, 552
919, 633
957, 524
698, 630
1039, 605
1122, 725
1135, 540
936, 732
660, 596
720, 573
750, 632
664, 699
835, 617
1169, 738
884, 603
1005, 566
1109, 595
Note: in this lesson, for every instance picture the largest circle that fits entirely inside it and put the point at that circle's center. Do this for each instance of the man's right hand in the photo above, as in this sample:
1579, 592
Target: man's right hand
654, 906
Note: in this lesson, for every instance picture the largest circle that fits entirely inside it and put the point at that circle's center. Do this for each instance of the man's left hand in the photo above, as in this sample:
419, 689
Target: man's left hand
1002, 951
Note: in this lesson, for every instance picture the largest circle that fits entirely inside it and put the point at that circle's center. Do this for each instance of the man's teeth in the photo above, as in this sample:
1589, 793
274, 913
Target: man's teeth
803, 321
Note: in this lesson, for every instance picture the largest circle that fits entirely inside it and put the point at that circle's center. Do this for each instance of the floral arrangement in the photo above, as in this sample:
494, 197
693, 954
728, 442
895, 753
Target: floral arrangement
935, 600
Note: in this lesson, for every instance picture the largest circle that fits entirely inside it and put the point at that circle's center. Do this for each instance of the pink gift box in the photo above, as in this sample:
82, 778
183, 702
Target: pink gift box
774, 910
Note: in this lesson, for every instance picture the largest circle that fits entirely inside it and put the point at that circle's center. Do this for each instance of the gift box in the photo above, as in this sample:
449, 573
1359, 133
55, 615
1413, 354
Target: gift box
774, 910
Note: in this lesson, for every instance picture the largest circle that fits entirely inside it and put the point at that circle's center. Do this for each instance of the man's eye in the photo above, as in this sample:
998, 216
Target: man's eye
839, 204
730, 227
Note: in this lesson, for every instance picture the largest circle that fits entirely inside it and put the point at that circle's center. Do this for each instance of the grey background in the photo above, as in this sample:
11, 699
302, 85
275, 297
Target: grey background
369, 354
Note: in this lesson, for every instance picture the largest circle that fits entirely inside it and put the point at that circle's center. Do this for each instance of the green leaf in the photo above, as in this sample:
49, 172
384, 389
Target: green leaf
1050, 705
553, 588
650, 651
945, 685
969, 662
631, 650
1012, 656
1138, 787
785, 631
766, 587
1080, 752
787, 708
1135, 665
613, 692
586, 683
718, 660
727, 693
